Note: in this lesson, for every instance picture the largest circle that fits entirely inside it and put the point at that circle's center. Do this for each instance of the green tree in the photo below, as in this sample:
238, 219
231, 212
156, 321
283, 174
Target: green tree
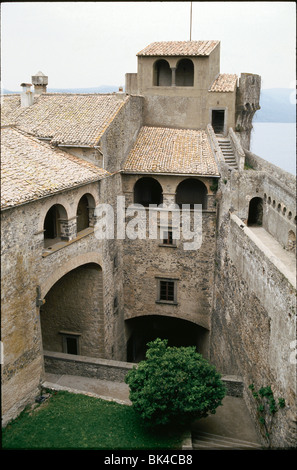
174, 385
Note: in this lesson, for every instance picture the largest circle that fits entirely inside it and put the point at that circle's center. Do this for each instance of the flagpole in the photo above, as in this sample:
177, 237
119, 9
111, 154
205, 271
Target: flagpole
191, 23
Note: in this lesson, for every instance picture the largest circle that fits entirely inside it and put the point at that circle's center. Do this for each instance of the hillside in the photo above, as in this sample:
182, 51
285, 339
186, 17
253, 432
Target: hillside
277, 105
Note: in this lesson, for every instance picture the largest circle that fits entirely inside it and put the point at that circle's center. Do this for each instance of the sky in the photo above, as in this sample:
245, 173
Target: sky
89, 44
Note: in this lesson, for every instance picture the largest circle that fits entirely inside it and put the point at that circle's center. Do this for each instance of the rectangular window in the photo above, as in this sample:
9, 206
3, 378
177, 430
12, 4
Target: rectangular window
167, 290
167, 238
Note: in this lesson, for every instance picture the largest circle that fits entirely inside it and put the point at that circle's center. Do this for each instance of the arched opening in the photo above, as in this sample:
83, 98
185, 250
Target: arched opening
142, 330
291, 243
191, 191
162, 73
53, 224
184, 73
71, 318
255, 211
85, 212
148, 191
82, 214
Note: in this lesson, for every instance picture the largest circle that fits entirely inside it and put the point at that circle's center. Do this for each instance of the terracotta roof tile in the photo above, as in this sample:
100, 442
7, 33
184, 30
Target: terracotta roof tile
225, 82
164, 150
67, 119
179, 48
31, 169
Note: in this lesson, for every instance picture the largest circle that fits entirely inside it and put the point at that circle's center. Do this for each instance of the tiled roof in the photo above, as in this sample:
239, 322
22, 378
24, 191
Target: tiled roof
66, 119
225, 82
164, 150
31, 169
177, 48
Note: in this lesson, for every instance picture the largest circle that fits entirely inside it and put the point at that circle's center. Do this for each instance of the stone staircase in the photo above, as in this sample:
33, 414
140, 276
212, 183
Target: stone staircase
227, 151
207, 441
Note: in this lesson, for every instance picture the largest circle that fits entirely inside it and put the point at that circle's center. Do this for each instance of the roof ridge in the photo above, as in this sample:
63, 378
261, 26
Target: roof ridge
170, 48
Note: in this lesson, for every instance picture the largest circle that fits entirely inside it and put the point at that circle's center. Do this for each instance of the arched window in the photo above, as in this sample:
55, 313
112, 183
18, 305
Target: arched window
185, 73
255, 211
148, 191
191, 191
85, 212
162, 73
82, 214
52, 224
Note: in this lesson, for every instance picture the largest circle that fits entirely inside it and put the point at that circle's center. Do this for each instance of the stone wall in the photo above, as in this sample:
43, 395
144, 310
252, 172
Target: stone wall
121, 134
102, 369
253, 322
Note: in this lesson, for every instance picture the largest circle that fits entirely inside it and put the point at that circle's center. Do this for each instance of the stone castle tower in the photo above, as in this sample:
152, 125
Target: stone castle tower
182, 87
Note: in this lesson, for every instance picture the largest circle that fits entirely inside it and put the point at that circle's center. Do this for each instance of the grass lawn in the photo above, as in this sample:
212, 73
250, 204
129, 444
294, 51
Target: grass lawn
72, 421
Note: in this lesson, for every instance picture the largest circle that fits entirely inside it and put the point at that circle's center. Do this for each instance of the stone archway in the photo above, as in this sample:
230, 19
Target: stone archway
72, 317
191, 191
162, 73
147, 191
255, 216
185, 73
179, 332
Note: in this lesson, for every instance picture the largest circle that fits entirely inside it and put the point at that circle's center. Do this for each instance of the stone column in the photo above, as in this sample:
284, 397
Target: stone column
173, 70
68, 229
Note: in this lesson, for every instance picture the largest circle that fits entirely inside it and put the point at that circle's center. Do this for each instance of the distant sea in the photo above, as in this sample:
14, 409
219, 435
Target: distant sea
276, 143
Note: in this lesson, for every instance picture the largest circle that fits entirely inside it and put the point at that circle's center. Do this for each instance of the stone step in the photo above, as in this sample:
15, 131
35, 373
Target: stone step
227, 151
204, 440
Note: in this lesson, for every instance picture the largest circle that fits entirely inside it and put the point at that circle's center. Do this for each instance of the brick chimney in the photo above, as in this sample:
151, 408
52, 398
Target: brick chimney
27, 95
40, 82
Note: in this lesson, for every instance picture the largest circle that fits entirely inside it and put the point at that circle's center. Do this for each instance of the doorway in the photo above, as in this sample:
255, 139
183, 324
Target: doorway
255, 211
218, 120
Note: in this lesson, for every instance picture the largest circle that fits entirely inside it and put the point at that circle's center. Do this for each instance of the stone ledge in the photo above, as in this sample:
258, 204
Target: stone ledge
115, 371
85, 366
234, 385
